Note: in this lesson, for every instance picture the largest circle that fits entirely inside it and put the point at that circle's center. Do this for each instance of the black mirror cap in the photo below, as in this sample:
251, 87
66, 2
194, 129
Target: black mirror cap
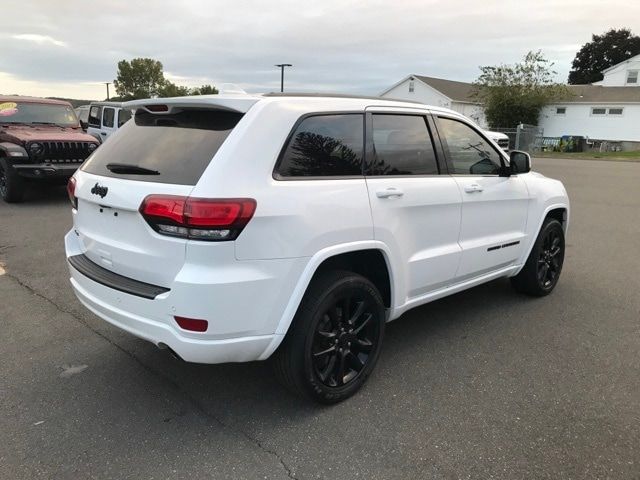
520, 162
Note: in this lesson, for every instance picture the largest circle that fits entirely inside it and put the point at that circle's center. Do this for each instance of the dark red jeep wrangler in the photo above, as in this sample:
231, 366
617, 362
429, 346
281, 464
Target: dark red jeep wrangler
40, 141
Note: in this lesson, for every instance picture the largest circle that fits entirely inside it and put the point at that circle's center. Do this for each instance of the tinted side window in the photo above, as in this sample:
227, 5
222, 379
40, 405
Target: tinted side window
123, 116
401, 146
108, 115
95, 113
469, 153
324, 146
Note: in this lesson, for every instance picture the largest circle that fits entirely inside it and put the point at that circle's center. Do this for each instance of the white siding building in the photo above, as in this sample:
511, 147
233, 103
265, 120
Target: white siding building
439, 92
608, 110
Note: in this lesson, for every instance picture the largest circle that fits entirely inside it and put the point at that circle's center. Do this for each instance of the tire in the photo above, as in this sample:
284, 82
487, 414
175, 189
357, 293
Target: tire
322, 339
541, 272
11, 185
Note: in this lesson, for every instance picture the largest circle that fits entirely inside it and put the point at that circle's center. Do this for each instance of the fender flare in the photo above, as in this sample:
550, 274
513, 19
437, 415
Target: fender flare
13, 150
305, 279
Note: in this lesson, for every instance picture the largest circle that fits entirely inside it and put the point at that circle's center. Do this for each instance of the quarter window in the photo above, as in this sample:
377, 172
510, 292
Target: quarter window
108, 115
468, 152
632, 76
95, 113
324, 146
401, 146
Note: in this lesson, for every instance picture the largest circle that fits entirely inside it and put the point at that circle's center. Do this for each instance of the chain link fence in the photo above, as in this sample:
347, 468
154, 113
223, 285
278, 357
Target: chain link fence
528, 138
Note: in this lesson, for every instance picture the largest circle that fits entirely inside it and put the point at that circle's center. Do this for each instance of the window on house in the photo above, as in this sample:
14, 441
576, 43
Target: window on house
598, 111
411, 86
561, 110
632, 76
615, 111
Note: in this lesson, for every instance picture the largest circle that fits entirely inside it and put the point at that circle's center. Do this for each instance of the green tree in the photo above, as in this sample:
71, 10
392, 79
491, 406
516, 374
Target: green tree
514, 94
170, 89
204, 90
139, 78
602, 52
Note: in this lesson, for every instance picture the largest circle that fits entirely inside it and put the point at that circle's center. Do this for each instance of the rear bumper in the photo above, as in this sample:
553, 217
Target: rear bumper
243, 307
242, 349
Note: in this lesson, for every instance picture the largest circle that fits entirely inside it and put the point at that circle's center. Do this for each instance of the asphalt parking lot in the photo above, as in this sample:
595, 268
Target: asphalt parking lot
484, 384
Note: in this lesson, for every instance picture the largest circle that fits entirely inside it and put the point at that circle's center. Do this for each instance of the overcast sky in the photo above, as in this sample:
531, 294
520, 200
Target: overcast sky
67, 47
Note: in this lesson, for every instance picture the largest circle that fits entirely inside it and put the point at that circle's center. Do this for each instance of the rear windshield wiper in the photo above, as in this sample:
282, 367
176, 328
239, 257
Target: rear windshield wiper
126, 168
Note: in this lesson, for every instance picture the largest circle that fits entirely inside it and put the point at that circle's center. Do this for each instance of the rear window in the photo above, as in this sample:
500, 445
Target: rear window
324, 146
178, 146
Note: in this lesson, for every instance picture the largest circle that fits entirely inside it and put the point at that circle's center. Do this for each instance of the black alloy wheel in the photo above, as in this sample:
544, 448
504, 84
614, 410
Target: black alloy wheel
11, 185
549, 259
335, 338
541, 271
343, 340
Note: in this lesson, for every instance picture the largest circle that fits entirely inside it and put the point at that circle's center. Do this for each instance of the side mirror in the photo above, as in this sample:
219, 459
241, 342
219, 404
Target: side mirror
519, 162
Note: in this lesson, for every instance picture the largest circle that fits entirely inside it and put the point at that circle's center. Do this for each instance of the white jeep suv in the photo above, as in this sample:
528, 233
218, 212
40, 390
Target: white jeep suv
104, 118
242, 227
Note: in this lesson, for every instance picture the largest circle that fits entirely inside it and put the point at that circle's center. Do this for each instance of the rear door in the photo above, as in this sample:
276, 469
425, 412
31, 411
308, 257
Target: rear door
158, 154
416, 210
494, 208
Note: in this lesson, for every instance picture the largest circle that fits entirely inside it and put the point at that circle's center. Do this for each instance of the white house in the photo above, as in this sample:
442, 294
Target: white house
608, 110
439, 92
605, 110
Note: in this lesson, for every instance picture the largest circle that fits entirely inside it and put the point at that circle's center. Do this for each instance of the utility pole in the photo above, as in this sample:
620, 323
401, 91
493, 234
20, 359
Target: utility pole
281, 66
107, 84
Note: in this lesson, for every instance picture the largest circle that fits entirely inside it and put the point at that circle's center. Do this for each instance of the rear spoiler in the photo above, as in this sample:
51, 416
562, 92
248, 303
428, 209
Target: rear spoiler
229, 103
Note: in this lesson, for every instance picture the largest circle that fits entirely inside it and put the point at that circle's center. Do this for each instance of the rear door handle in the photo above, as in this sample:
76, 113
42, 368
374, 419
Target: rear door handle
474, 187
389, 192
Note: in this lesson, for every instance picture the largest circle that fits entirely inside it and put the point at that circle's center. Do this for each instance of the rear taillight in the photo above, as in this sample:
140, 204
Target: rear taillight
198, 218
71, 191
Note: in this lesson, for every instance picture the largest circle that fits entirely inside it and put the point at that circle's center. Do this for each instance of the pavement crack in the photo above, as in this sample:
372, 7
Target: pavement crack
175, 385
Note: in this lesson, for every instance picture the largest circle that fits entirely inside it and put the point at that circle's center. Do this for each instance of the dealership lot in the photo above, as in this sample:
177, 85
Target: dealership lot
483, 384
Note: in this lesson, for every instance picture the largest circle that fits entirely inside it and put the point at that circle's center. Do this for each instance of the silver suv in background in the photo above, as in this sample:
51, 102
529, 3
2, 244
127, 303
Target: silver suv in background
105, 118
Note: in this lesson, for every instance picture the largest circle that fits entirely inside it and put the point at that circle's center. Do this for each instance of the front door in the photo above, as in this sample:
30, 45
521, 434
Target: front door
416, 211
494, 208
